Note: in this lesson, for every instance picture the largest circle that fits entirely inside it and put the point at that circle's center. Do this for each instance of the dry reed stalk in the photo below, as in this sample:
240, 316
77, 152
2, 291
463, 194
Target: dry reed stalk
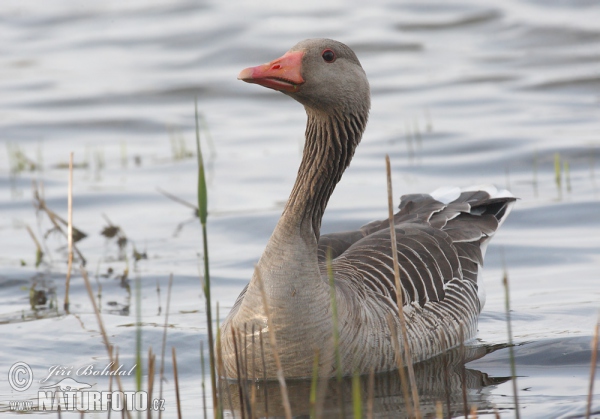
513, 368
57, 221
264, 365
273, 342
473, 412
164, 343
109, 347
69, 233
399, 299
221, 370
253, 355
313, 386
439, 410
117, 363
203, 383
253, 402
336, 334
151, 364
176, 379
447, 384
356, 397
110, 389
401, 372
588, 409
324, 373
39, 253
245, 352
370, 393
239, 375
463, 377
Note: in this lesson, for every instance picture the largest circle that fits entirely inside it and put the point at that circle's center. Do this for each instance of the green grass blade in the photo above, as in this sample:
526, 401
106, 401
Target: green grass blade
202, 214
356, 396
202, 194
313, 386
138, 334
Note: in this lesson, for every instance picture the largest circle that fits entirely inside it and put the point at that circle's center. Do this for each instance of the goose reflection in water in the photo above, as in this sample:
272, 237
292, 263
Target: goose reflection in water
442, 381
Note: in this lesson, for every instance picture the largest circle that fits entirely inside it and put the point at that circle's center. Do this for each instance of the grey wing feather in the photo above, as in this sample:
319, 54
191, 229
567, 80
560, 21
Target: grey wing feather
437, 243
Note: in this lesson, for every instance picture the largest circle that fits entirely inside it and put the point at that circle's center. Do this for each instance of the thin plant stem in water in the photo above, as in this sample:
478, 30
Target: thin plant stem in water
203, 383
109, 347
39, 253
69, 232
463, 372
239, 374
151, 364
439, 410
356, 396
313, 386
176, 379
138, 334
203, 213
513, 368
399, 296
558, 174
447, 387
264, 365
221, 370
567, 175
334, 317
535, 173
164, 343
370, 393
336, 333
592, 369
401, 371
273, 341
253, 354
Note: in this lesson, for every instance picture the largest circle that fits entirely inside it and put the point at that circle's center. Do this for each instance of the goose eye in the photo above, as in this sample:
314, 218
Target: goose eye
328, 55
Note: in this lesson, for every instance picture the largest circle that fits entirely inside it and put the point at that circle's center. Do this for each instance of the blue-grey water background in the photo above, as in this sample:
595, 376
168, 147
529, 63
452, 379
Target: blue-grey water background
463, 93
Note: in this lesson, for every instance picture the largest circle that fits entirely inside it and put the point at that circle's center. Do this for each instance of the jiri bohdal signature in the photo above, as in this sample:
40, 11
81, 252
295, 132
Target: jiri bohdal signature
87, 371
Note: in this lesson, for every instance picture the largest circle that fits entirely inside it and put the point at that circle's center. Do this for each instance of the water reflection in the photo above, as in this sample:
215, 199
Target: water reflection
443, 382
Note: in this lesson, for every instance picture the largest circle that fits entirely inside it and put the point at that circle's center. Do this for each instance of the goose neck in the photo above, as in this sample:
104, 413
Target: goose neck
330, 143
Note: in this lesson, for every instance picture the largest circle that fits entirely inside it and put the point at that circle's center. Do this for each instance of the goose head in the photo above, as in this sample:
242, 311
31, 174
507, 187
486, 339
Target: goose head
322, 74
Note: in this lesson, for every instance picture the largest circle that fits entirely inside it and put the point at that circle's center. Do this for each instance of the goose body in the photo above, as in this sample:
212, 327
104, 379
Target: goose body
441, 244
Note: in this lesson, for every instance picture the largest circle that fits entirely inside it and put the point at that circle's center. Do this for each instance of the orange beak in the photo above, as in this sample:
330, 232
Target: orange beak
283, 74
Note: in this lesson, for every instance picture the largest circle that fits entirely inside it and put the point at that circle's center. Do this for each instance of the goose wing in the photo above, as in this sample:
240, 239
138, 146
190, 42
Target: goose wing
437, 242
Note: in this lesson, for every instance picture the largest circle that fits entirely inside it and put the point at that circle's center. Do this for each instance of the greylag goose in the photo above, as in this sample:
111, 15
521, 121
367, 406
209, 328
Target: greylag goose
441, 243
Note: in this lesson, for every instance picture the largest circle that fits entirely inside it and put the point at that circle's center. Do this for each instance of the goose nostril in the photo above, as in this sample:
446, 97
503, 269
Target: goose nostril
276, 67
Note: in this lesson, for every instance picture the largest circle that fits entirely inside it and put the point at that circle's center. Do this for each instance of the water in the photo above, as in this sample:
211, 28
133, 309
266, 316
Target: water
463, 93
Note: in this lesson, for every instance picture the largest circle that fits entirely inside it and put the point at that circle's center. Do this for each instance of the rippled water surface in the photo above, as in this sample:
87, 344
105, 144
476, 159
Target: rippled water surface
462, 92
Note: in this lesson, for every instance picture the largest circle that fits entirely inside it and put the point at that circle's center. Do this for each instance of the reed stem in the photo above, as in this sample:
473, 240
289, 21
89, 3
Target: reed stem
399, 299
109, 347
513, 368
313, 386
203, 375
592, 370
164, 343
176, 379
356, 396
69, 232
273, 341
138, 334
202, 214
